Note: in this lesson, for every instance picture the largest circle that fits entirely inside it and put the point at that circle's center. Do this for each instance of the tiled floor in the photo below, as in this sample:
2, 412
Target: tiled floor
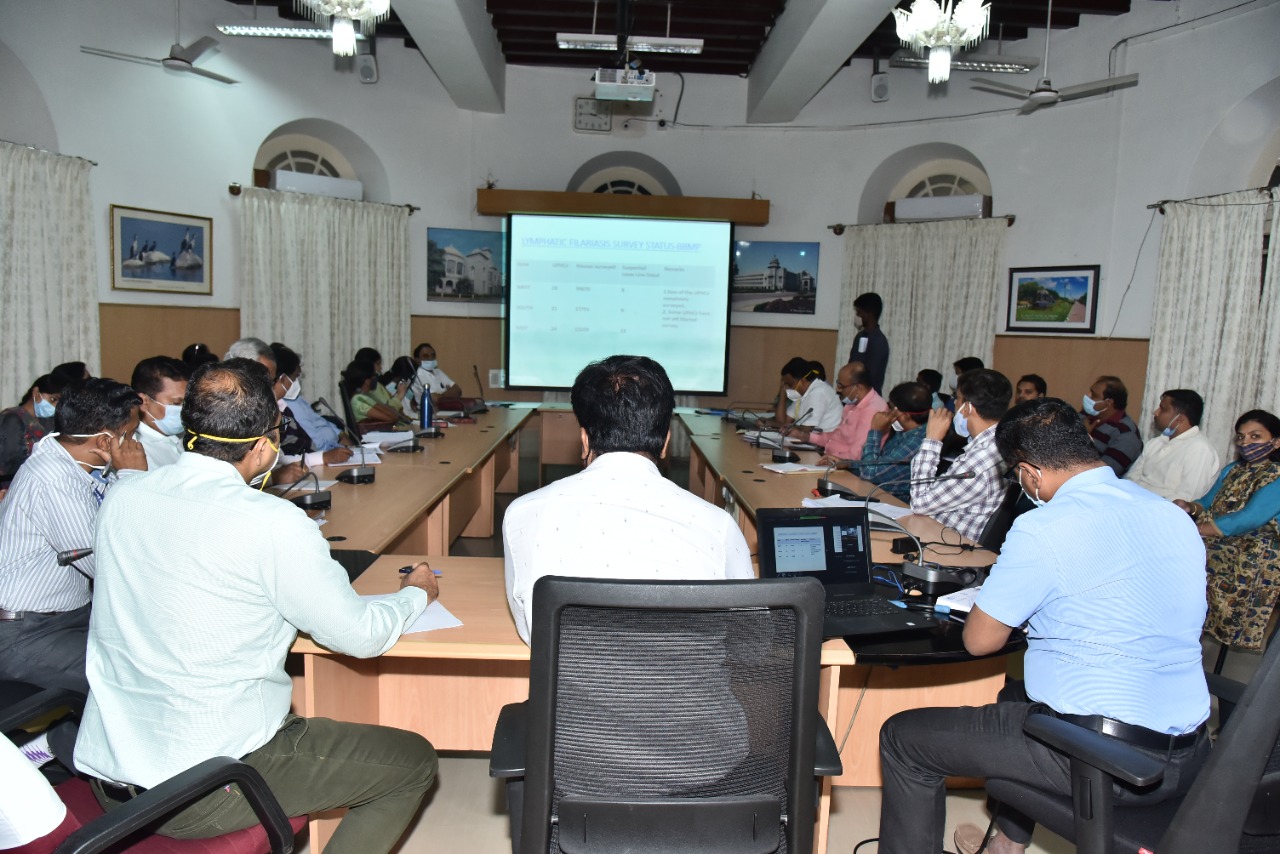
465, 810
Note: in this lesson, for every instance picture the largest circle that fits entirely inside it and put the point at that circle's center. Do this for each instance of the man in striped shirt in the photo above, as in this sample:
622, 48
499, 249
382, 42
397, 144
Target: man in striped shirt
1113, 432
44, 607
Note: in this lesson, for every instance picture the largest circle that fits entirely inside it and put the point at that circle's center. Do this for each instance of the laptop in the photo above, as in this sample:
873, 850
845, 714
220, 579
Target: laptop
833, 545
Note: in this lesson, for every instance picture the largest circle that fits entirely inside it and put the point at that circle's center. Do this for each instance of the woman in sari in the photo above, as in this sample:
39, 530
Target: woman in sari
1238, 519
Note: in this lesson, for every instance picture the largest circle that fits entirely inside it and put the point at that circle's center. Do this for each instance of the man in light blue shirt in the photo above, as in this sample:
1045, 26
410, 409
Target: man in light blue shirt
1110, 582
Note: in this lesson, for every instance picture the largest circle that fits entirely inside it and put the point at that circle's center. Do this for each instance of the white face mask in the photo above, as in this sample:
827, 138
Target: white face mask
1034, 499
171, 423
429, 364
897, 426
960, 422
101, 470
793, 395
295, 389
260, 480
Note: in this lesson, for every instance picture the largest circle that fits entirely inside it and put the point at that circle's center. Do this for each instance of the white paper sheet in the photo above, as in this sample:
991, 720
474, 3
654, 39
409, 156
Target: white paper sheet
793, 468
961, 600
436, 616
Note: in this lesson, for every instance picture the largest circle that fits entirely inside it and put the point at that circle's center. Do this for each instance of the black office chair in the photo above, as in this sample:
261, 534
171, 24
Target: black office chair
1233, 805
997, 527
668, 716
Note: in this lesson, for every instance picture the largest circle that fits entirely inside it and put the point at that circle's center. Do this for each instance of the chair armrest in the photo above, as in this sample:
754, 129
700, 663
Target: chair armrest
506, 758
1102, 752
826, 759
1225, 689
179, 791
33, 704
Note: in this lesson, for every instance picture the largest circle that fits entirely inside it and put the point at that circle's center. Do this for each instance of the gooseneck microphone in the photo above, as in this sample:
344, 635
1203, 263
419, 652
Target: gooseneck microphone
70, 556
826, 486
934, 580
475, 369
782, 455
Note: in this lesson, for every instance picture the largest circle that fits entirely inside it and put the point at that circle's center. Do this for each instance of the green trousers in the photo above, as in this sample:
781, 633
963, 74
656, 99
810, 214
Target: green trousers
314, 764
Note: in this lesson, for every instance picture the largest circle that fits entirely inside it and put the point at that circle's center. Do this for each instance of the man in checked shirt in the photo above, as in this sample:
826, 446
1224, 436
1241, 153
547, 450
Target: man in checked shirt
982, 396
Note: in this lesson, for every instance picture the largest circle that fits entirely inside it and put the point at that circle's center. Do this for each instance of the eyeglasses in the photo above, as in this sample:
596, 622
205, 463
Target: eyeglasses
286, 423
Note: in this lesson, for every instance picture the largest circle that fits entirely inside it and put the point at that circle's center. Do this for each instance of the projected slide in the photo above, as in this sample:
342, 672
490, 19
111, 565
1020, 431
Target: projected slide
582, 288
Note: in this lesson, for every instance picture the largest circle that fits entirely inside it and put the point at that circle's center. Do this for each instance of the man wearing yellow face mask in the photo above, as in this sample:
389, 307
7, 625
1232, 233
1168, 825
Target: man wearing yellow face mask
203, 584
44, 607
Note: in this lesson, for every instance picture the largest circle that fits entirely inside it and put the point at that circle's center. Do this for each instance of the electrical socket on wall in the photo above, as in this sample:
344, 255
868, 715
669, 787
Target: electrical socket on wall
497, 378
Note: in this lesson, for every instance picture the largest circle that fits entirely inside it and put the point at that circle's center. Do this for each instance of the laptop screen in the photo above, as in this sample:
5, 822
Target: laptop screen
830, 544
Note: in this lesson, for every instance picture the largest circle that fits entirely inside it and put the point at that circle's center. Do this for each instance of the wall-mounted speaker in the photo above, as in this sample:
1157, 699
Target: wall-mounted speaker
367, 68
880, 87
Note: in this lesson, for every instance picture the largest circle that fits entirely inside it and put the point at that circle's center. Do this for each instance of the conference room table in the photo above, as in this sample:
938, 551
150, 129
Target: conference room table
419, 503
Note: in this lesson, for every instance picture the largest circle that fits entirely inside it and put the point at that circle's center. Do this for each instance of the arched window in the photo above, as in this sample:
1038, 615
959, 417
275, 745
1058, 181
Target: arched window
297, 152
942, 178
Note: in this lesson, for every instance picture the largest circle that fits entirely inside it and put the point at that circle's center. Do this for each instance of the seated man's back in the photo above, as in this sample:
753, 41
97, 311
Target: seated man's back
619, 518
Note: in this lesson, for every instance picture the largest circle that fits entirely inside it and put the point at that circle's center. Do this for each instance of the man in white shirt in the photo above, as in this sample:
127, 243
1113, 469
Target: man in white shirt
430, 377
805, 399
203, 583
161, 382
619, 517
1179, 462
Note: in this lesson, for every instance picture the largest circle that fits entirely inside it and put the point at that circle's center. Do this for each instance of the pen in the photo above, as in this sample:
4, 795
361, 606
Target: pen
405, 570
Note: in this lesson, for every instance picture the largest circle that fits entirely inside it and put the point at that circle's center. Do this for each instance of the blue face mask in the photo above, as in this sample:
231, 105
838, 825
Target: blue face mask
44, 409
1090, 406
1034, 499
960, 422
171, 423
429, 364
1169, 431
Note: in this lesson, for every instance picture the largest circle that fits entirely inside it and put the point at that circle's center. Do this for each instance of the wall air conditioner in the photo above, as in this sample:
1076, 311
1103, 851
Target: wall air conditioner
316, 185
925, 208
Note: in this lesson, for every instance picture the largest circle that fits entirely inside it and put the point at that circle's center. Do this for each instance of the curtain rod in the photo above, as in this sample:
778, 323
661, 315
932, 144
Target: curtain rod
839, 227
235, 189
1159, 206
47, 151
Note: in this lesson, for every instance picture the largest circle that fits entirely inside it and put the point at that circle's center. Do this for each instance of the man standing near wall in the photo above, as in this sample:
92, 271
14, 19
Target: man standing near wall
870, 346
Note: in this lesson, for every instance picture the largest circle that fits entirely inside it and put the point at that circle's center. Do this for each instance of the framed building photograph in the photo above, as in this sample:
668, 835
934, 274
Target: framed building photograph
160, 251
1053, 300
465, 265
774, 277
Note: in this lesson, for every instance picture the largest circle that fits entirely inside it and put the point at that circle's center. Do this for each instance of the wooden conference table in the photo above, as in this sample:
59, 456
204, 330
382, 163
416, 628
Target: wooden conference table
421, 502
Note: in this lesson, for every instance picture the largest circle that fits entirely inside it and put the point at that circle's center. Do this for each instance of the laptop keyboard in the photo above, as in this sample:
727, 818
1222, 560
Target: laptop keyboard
867, 606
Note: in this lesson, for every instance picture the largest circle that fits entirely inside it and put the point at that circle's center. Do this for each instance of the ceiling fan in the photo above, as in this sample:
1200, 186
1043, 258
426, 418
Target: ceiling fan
180, 58
1044, 94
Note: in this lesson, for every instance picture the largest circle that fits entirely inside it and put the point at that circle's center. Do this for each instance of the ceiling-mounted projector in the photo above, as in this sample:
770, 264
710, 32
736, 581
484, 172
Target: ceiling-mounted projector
625, 84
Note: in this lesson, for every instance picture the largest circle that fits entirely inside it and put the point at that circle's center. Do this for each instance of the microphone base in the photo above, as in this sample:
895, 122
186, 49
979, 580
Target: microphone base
429, 433
782, 456
314, 500
358, 475
828, 488
406, 449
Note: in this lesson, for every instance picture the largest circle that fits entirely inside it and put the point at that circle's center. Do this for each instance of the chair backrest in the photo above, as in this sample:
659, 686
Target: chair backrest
681, 712
1238, 785
348, 411
997, 527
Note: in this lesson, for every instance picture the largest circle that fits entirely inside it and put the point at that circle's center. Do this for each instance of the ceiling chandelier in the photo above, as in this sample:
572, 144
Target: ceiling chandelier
939, 30
343, 16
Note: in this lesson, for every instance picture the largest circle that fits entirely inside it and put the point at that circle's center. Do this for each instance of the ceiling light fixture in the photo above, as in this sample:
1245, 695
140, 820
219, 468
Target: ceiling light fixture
937, 31
344, 17
276, 31
996, 62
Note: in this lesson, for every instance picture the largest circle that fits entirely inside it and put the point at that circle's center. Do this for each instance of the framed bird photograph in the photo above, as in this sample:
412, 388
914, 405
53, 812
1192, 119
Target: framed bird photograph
161, 252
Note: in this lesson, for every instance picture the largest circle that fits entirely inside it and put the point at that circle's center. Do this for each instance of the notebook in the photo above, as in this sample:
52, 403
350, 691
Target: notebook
833, 545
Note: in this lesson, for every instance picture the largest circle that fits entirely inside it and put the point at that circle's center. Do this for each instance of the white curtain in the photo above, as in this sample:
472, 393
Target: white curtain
48, 280
325, 277
1269, 365
942, 284
1207, 332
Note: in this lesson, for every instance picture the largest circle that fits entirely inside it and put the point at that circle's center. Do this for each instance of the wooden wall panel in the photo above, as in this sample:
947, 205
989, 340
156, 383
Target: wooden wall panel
131, 333
1070, 365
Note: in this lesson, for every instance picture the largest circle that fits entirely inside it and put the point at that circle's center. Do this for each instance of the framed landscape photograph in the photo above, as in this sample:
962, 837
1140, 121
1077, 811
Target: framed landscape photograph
160, 251
1053, 300
774, 277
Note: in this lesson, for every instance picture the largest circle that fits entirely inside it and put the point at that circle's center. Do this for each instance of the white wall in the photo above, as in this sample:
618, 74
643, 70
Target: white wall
1078, 175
